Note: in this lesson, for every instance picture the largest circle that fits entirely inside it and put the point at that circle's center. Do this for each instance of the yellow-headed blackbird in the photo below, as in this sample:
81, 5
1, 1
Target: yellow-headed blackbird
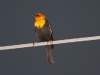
44, 33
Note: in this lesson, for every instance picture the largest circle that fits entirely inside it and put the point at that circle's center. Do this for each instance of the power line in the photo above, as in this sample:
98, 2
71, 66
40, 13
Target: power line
48, 43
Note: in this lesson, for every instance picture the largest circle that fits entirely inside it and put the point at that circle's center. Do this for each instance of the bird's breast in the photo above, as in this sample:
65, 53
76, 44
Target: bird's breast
39, 23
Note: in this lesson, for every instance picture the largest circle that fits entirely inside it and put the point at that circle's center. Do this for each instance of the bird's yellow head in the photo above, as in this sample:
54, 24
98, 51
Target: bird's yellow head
39, 16
39, 20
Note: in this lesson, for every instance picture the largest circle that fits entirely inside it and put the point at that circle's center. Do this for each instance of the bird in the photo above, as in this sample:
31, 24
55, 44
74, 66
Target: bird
45, 34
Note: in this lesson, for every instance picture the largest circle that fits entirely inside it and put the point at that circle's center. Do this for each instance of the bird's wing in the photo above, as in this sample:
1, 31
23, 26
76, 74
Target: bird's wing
52, 37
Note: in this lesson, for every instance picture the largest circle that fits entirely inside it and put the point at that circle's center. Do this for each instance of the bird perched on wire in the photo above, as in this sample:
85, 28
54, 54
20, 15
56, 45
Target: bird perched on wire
44, 33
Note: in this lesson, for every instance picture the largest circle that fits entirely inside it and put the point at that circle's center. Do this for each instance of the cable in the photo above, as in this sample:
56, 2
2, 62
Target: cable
48, 43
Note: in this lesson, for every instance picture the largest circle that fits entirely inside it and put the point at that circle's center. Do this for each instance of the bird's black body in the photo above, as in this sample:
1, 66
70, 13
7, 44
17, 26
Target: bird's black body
45, 34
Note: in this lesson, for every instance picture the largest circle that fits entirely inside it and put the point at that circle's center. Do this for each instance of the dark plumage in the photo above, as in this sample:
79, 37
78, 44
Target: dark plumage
44, 33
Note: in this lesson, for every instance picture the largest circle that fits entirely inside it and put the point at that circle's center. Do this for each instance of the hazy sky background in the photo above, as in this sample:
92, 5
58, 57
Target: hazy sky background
68, 19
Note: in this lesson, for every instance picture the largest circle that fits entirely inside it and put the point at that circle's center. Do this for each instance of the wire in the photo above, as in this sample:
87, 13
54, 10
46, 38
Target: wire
51, 42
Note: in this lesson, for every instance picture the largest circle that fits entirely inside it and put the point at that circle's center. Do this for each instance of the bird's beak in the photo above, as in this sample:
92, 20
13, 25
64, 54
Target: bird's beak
33, 15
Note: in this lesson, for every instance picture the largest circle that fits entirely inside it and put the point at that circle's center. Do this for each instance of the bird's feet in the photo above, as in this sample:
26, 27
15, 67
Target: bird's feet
36, 42
50, 41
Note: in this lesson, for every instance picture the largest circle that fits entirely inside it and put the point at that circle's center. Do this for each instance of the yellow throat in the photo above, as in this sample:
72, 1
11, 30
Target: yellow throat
39, 23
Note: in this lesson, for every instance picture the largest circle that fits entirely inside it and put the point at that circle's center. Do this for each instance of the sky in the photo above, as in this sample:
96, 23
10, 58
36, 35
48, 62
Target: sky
68, 19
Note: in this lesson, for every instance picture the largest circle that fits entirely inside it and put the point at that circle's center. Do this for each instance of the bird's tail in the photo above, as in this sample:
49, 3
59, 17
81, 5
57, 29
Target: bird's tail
50, 56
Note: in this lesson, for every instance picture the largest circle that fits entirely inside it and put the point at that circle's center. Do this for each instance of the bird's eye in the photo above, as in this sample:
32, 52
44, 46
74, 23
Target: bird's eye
37, 14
